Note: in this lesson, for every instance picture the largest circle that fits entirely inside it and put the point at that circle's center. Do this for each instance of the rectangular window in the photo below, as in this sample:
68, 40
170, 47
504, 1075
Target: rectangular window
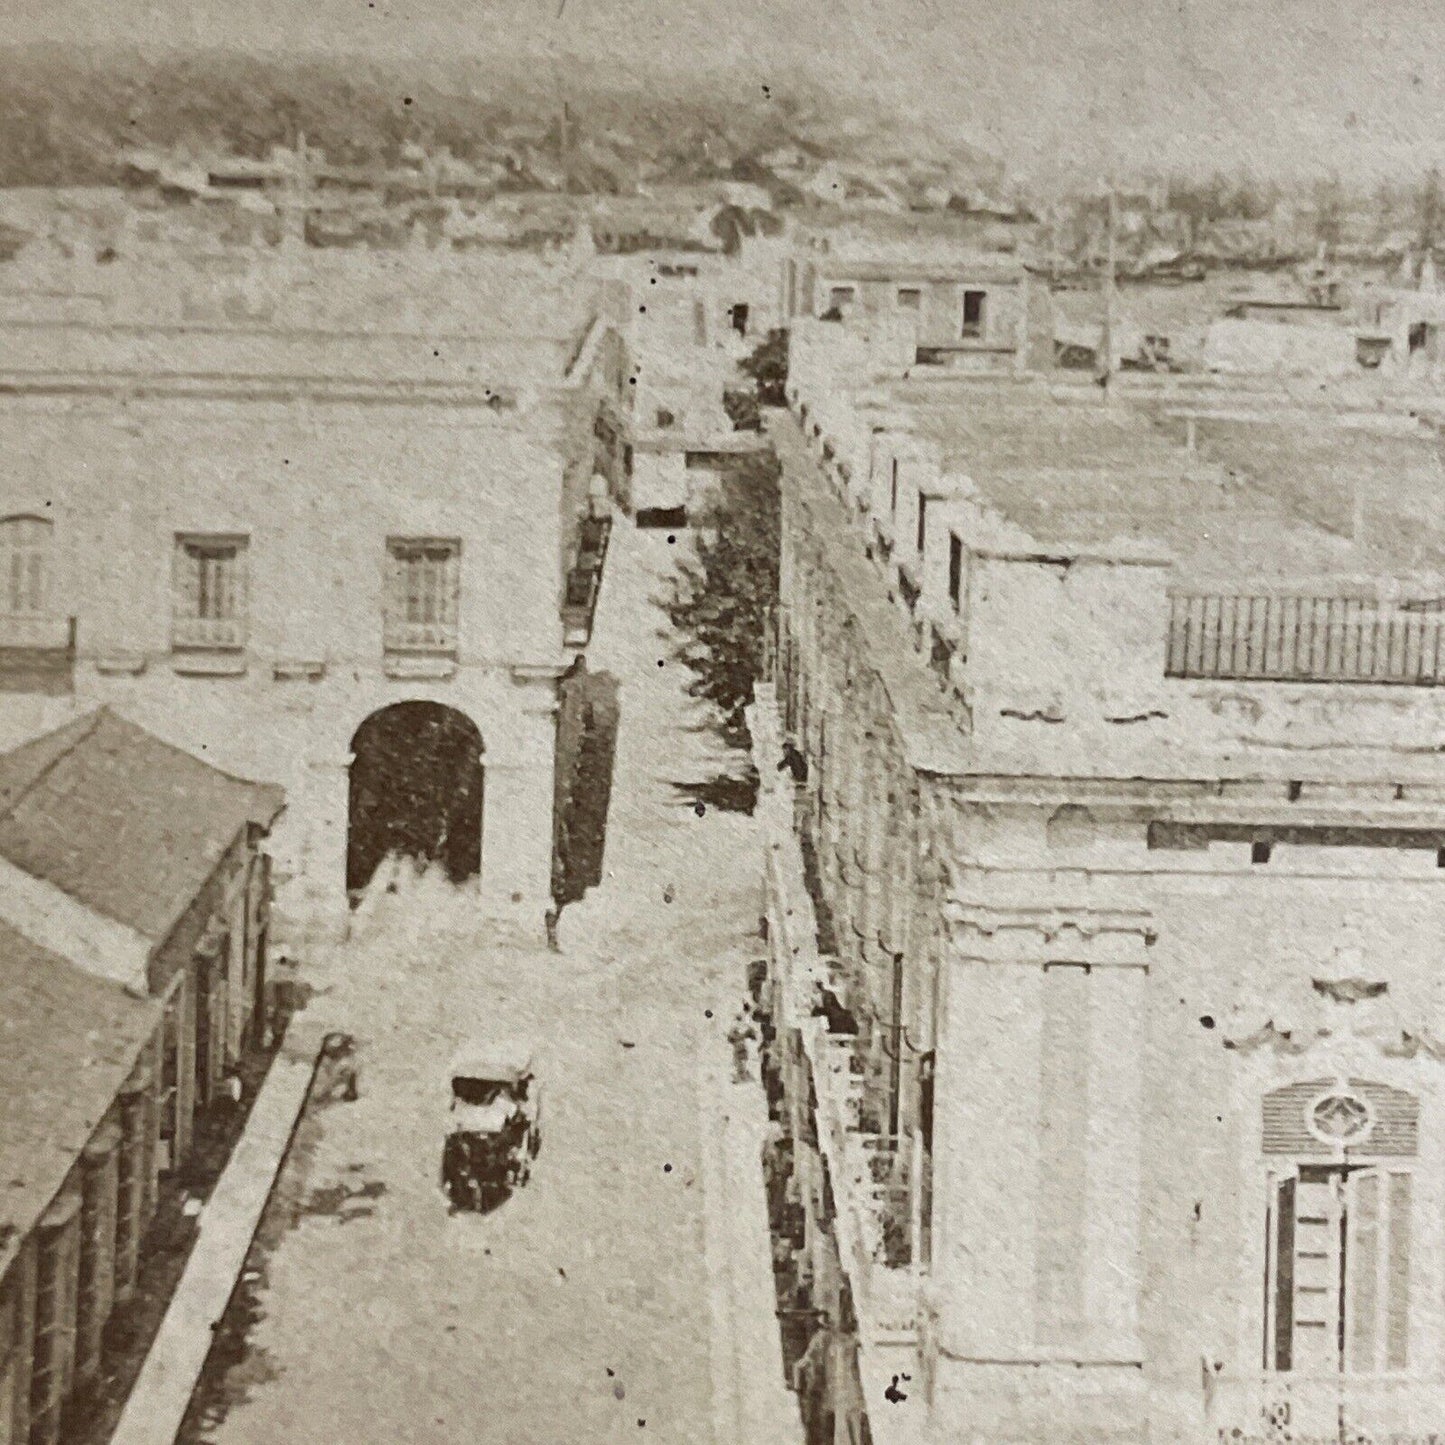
208, 603
841, 296
910, 298
1337, 1296
424, 584
24, 566
973, 314
955, 570
922, 520
893, 491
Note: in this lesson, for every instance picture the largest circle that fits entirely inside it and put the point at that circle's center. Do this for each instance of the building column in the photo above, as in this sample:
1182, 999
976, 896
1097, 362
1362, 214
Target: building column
100, 1162
57, 1261
1038, 1129
17, 1336
986, 1159
130, 1183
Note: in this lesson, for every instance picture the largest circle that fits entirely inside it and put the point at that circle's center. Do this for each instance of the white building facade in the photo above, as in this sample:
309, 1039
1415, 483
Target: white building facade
257, 522
1122, 1048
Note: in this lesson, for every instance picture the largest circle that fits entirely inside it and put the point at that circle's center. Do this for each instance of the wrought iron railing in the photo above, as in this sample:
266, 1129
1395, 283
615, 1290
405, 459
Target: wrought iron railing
38, 634
423, 637
221, 634
1303, 639
1355, 1408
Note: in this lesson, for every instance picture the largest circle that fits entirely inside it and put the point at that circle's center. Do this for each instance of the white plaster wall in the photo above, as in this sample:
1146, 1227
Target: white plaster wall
318, 490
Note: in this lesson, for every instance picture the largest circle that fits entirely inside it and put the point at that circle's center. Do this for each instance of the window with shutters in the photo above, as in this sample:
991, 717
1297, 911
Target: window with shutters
25, 566
1339, 1230
208, 606
27, 615
424, 584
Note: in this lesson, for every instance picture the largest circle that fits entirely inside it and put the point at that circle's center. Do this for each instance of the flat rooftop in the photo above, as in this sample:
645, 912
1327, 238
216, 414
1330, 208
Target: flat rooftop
398, 316
1267, 497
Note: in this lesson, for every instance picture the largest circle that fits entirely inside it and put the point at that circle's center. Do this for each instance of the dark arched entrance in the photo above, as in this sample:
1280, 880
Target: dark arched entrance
416, 789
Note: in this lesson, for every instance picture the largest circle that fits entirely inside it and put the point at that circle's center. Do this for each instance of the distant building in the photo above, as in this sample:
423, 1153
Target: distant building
1115, 1075
347, 492
965, 307
134, 915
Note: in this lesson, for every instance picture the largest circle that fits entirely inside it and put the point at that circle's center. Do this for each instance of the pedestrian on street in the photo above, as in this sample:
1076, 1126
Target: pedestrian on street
739, 1036
550, 921
338, 1053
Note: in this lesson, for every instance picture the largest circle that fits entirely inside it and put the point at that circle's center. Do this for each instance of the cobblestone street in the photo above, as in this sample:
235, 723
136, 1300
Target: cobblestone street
582, 1309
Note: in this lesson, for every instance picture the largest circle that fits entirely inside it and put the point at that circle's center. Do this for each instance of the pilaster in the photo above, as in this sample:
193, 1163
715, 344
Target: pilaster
1038, 1128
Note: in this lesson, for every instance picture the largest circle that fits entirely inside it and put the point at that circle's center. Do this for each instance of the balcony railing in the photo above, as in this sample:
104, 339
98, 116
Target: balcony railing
584, 580
1361, 1408
218, 634
1303, 639
37, 634
428, 638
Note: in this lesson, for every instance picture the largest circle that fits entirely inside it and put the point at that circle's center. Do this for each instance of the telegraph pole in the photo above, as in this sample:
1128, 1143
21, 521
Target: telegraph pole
1106, 370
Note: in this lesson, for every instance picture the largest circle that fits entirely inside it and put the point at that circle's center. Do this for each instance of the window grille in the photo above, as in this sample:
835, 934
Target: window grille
209, 602
25, 566
423, 592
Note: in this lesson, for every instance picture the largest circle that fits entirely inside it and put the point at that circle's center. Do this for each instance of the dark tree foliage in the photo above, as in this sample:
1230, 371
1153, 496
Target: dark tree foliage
724, 598
768, 367
743, 409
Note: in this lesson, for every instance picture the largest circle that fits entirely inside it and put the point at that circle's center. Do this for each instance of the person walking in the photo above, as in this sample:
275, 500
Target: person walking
740, 1036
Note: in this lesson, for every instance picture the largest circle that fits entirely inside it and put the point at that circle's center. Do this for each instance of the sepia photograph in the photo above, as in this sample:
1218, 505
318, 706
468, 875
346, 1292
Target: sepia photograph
720, 722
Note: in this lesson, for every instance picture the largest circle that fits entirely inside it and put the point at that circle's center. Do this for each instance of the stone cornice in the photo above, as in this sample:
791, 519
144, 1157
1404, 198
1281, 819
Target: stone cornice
1104, 937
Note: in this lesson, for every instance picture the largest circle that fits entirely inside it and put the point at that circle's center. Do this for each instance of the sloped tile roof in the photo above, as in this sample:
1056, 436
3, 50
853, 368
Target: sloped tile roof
67, 1042
124, 823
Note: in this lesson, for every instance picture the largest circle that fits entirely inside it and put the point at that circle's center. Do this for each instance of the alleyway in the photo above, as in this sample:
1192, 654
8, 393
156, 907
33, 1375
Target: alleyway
581, 1310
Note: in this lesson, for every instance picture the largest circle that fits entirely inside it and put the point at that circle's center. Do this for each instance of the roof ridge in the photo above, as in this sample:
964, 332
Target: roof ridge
93, 719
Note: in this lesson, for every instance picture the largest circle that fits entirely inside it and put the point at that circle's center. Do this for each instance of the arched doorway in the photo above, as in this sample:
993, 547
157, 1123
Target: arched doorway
416, 789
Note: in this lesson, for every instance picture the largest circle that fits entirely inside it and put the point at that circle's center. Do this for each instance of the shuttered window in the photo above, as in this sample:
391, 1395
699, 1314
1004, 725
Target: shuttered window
25, 544
423, 592
209, 593
1339, 1262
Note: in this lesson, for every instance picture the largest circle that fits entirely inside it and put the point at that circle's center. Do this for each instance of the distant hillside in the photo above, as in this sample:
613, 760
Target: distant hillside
66, 116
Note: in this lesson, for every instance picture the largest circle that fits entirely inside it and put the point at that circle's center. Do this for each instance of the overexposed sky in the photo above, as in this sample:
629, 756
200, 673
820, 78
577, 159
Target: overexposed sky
1275, 85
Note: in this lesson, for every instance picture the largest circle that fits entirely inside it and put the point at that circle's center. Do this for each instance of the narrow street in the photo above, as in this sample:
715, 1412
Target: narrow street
582, 1309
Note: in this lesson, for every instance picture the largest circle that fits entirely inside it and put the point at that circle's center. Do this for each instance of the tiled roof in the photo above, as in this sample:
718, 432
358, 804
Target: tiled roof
125, 823
67, 1042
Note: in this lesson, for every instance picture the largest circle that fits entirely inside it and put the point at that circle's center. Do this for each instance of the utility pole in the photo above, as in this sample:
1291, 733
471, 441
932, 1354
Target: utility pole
1106, 370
